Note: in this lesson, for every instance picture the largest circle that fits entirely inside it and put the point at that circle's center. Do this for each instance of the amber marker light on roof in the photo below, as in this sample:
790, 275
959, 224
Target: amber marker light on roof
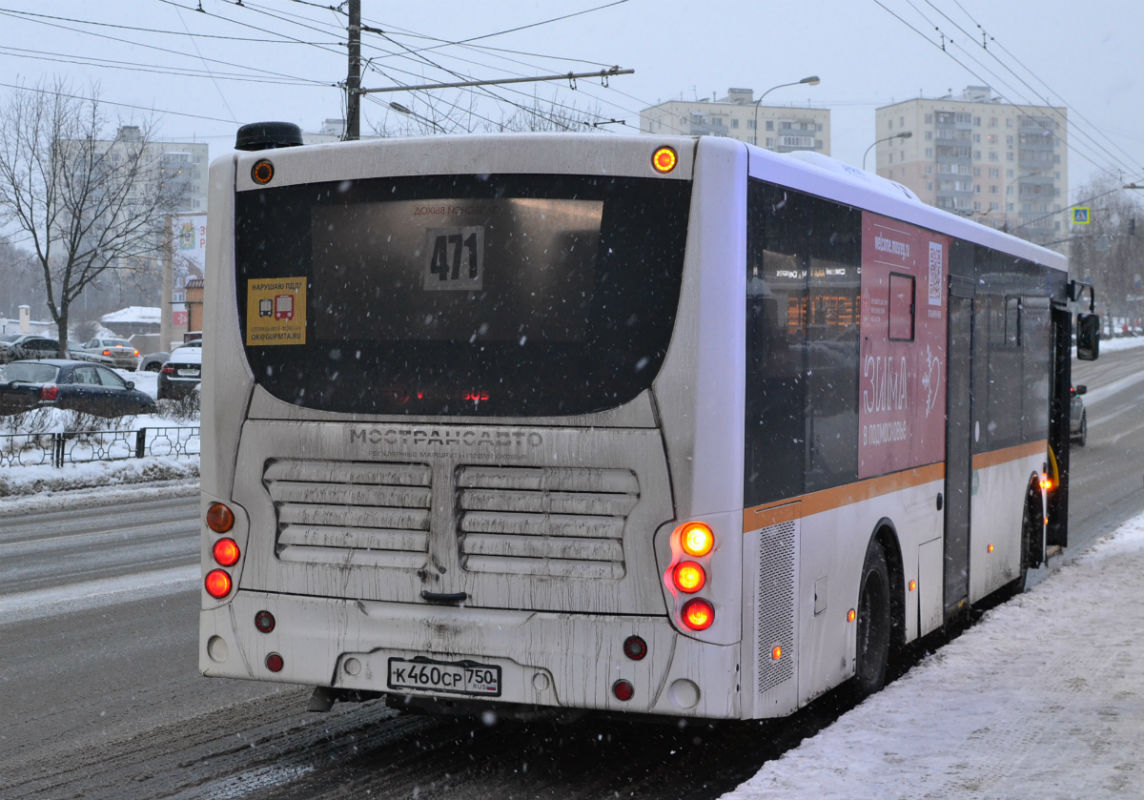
851, 615
262, 172
664, 160
913, 585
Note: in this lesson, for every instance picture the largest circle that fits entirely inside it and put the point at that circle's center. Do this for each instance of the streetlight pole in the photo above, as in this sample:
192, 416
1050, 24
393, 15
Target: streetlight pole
809, 80
902, 135
400, 109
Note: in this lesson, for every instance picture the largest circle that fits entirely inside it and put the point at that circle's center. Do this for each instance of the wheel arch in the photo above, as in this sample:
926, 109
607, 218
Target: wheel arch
886, 535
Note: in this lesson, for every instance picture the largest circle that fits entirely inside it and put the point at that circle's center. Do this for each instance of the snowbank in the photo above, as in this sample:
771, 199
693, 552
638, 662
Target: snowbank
1043, 698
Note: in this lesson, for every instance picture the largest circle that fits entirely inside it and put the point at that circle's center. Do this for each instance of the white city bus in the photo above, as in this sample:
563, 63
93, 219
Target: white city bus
669, 426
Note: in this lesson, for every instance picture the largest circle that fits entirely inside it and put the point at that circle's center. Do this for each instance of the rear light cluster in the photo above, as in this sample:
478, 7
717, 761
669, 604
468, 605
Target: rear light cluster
691, 547
49, 391
225, 551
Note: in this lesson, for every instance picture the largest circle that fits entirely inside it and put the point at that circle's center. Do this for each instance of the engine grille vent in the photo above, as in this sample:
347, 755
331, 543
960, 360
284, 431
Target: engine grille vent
351, 513
544, 521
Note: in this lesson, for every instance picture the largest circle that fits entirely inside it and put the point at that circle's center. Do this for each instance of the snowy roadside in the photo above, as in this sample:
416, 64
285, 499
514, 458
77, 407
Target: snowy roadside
1043, 698
31, 489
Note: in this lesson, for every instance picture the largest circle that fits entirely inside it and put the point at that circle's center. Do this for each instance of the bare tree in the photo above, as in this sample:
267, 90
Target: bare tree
90, 207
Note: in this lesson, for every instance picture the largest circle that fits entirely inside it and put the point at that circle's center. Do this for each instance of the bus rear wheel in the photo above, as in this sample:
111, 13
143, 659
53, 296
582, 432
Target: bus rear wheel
872, 651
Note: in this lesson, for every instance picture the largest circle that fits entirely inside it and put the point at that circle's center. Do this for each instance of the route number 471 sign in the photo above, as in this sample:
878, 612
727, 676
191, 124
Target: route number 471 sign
455, 258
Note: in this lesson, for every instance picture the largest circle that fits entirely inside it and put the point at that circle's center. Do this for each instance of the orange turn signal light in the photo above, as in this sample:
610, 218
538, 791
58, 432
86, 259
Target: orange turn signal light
696, 539
220, 519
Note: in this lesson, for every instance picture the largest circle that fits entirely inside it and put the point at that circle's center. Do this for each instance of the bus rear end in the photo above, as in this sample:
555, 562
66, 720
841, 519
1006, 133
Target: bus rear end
460, 448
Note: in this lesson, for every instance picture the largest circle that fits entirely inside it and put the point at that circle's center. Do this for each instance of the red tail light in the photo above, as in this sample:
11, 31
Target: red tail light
226, 552
167, 370
49, 391
688, 577
698, 614
217, 584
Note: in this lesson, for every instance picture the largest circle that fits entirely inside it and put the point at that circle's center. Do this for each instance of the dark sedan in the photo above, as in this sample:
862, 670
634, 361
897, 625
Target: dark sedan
71, 385
14, 346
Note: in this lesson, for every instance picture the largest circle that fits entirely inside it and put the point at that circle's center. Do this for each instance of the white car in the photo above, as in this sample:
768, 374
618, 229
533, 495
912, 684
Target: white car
181, 373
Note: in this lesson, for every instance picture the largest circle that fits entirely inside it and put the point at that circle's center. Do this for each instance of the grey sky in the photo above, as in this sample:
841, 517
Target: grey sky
1086, 56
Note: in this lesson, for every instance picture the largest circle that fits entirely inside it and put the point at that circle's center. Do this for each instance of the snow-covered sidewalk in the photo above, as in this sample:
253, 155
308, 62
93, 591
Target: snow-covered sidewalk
1042, 699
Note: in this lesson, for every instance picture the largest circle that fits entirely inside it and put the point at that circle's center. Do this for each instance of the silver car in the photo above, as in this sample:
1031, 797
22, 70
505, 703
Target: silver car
1078, 416
117, 352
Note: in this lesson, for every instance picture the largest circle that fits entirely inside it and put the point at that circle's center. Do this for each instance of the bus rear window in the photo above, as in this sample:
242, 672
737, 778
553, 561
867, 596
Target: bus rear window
502, 294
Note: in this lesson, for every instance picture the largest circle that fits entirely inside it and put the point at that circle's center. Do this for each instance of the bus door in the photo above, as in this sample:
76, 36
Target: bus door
1056, 534
958, 442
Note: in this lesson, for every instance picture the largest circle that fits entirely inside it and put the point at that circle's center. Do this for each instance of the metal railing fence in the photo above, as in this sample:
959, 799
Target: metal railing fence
76, 447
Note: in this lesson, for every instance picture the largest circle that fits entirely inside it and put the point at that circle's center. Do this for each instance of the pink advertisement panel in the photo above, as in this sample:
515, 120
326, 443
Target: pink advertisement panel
901, 398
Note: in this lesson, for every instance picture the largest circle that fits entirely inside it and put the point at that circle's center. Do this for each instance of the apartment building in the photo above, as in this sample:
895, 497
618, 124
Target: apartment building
1002, 164
780, 128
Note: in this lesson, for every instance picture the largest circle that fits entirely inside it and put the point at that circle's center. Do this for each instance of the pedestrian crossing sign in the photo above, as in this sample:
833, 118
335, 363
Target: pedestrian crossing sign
1081, 215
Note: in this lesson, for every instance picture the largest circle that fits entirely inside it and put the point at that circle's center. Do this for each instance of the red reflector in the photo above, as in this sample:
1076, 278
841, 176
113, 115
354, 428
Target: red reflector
698, 614
217, 584
623, 690
264, 621
274, 662
49, 391
226, 552
220, 519
635, 648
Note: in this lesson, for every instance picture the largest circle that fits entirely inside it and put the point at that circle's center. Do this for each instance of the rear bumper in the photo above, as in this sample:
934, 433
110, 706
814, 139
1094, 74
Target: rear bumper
563, 661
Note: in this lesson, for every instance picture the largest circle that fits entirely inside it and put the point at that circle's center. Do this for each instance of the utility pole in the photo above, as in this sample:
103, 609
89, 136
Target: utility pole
353, 76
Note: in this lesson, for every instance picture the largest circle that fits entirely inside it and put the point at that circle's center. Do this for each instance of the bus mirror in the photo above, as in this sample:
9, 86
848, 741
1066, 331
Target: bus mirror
1087, 336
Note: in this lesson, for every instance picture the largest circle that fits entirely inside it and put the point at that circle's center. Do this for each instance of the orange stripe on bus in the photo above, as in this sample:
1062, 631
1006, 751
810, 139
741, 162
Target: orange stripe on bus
995, 457
816, 502
805, 505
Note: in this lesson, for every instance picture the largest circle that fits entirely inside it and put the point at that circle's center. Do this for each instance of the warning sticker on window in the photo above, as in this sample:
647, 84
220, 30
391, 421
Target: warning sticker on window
275, 311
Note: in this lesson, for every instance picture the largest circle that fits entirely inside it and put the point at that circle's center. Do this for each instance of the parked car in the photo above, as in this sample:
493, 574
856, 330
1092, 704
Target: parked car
181, 373
16, 346
72, 385
119, 351
153, 362
1078, 416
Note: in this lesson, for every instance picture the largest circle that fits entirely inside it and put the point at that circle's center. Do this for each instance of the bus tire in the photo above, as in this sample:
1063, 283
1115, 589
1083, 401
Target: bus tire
1030, 527
875, 624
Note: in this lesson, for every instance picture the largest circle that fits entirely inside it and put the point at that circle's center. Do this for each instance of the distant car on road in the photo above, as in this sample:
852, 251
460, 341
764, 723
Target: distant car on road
16, 346
181, 373
71, 385
153, 362
119, 351
1078, 416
